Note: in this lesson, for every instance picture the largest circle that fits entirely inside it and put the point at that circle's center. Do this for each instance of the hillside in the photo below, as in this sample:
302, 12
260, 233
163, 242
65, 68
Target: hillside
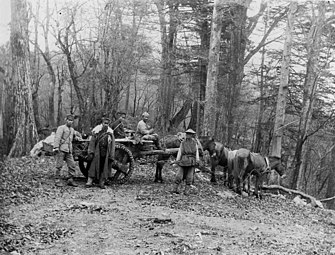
142, 217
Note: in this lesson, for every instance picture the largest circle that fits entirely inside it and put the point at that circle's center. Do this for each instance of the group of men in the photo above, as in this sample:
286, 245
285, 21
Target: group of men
101, 150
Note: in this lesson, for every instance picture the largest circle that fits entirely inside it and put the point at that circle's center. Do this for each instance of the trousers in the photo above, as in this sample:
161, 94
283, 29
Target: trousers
187, 173
71, 164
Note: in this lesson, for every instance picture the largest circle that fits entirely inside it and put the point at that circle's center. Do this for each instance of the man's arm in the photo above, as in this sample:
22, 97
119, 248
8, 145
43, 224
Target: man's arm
142, 129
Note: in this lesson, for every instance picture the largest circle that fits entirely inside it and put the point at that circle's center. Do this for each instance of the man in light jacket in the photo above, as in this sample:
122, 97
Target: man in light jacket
63, 150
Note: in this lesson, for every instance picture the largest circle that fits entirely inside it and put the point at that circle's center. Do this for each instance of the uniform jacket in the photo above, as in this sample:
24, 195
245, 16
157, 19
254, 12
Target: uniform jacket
142, 128
64, 138
188, 150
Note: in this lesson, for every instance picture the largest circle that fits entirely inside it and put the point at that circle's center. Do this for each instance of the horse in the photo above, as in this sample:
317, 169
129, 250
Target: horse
247, 164
219, 155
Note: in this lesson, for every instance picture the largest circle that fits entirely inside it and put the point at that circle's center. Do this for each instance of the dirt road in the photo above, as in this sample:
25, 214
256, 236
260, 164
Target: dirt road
142, 217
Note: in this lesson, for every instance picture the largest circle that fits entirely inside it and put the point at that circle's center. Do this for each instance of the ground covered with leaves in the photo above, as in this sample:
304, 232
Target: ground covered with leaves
142, 217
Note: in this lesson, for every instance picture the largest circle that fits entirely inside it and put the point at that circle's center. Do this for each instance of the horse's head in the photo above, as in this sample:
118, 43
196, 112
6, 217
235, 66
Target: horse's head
208, 144
276, 164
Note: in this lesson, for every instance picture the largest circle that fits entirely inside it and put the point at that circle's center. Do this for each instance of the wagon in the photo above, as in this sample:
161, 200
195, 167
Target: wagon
127, 151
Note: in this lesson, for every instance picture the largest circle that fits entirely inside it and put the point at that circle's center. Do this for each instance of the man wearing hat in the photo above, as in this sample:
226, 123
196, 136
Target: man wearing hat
63, 150
145, 132
118, 125
101, 152
187, 159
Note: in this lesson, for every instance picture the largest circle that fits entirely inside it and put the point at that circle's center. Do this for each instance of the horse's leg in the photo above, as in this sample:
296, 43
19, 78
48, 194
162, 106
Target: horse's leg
258, 186
158, 174
213, 179
213, 165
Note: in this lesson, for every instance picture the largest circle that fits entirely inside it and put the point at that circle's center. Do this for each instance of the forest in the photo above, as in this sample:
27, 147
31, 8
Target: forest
252, 74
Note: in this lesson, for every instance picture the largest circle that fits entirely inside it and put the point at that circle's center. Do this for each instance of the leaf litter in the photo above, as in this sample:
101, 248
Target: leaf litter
142, 217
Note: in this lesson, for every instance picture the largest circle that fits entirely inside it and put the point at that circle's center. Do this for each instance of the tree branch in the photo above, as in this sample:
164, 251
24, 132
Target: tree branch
262, 42
313, 200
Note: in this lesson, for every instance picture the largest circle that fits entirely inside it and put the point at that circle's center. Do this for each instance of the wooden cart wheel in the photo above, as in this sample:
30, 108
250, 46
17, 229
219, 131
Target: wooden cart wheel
123, 166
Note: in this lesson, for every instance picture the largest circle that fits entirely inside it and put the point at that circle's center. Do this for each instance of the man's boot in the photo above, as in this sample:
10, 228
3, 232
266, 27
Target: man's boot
70, 182
89, 182
175, 189
102, 184
187, 190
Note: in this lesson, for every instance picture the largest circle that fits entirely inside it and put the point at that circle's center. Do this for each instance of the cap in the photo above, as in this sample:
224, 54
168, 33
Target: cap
145, 114
105, 119
190, 131
121, 113
70, 117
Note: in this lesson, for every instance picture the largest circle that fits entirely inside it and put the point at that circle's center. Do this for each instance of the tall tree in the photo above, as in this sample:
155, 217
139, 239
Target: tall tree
212, 70
310, 86
25, 127
283, 86
168, 29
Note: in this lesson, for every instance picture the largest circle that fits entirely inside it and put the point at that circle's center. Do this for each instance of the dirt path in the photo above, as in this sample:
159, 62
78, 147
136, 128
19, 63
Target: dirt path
145, 218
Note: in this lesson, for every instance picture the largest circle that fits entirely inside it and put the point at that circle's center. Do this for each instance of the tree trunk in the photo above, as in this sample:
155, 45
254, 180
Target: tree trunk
2, 107
36, 70
212, 71
51, 71
25, 128
61, 81
167, 86
331, 183
312, 73
258, 140
283, 86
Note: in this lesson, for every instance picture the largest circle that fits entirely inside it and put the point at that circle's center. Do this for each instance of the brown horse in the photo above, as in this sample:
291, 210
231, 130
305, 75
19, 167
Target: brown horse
248, 164
219, 155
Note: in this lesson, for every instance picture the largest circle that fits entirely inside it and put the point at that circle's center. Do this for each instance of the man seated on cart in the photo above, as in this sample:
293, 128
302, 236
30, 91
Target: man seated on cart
145, 132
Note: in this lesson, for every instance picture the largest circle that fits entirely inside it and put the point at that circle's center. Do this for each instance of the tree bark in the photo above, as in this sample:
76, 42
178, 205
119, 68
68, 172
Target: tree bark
331, 182
311, 80
47, 58
283, 86
25, 128
212, 71
167, 87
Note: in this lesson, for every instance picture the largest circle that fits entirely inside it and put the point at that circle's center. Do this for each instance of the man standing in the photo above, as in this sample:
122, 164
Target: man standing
63, 150
102, 150
118, 125
187, 159
145, 132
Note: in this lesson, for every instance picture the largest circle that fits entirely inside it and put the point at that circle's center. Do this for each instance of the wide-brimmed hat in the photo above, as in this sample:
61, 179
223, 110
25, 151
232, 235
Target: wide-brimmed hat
190, 131
145, 114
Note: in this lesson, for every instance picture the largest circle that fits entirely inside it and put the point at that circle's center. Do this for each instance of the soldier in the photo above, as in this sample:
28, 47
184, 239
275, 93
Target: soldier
63, 150
187, 159
101, 151
118, 125
146, 132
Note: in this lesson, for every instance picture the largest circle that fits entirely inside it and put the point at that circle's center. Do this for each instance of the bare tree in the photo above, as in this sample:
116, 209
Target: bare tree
310, 86
283, 87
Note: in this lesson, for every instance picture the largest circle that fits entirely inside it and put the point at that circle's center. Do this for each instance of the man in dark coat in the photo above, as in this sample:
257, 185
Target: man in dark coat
102, 150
